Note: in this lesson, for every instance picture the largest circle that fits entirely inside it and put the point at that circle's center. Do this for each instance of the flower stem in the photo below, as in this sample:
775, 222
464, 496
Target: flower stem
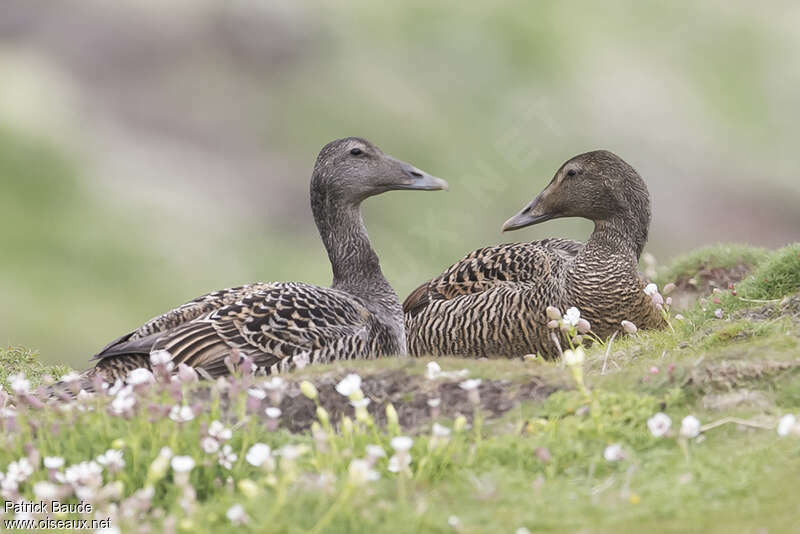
333, 510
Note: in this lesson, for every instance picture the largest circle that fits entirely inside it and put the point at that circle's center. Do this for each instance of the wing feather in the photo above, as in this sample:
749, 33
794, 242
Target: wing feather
486, 268
269, 322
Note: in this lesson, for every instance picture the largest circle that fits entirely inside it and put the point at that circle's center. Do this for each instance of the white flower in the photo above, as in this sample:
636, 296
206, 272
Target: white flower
401, 443
9, 485
274, 383
53, 462
46, 491
140, 376
786, 424
434, 403
293, 452
273, 412
360, 472
88, 474
349, 385
574, 357
398, 462
112, 460
440, 431
186, 374
613, 453
258, 454
19, 384
182, 464
454, 521
522, 530
115, 387
257, 393
237, 515
659, 424
301, 360
160, 357
469, 385
227, 457
122, 404
360, 403
19, 471
718, 313
375, 451
108, 530
572, 316
209, 445
432, 370
218, 431
690, 427
650, 289
181, 414
70, 377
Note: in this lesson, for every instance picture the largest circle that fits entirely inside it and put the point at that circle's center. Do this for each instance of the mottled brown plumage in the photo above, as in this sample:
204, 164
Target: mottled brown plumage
494, 301
275, 323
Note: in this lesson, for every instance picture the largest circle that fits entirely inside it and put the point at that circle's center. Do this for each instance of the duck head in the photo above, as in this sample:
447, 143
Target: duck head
353, 169
598, 186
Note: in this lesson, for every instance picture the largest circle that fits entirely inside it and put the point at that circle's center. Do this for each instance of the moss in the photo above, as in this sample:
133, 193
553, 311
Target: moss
777, 276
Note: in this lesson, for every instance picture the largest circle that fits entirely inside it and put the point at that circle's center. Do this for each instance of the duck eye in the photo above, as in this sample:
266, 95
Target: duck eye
356, 151
571, 172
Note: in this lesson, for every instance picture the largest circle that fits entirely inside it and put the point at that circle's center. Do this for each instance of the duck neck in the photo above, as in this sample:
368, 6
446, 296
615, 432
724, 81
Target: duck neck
623, 233
355, 264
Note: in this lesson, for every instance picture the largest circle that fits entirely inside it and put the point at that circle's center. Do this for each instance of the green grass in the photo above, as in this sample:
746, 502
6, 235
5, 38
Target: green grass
777, 276
724, 256
538, 463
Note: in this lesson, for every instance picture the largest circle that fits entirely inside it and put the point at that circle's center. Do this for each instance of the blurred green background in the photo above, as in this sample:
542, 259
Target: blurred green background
151, 152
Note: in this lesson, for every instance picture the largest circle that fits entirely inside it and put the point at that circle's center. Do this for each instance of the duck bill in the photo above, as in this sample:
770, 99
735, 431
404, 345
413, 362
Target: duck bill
413, 179
528, 216
426, 182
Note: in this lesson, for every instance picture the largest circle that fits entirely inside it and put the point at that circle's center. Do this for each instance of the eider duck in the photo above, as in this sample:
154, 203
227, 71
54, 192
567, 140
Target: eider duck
277, 323
494, 301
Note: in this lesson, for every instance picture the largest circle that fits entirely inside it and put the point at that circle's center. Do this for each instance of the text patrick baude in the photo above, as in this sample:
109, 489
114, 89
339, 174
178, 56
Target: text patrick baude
47, 507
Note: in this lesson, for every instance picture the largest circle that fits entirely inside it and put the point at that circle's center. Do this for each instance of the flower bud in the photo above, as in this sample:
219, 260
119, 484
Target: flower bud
459, 424
629, 327
583, 326
309, 389
248, 488
553, 313
391, 415
574, 357
347, 425
322, 415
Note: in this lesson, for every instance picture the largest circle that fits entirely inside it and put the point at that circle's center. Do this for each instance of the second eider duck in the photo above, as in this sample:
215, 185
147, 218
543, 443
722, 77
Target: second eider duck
276, 323
494, 301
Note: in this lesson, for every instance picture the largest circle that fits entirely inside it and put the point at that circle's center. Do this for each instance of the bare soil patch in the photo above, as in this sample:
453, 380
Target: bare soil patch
690, 288
409, 393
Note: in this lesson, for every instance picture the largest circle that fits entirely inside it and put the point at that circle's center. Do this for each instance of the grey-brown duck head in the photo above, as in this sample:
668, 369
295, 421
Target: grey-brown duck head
598, 186
353, 169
